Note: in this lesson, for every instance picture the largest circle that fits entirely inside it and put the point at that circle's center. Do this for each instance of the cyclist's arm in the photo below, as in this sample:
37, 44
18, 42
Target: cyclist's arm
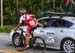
19, 24
39, 24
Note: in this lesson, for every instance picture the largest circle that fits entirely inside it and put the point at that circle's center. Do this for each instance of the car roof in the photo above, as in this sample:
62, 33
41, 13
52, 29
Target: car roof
58, 17
68, 18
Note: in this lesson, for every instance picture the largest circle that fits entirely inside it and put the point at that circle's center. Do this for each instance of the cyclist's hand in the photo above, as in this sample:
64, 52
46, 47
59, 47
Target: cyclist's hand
15, 29
41, 25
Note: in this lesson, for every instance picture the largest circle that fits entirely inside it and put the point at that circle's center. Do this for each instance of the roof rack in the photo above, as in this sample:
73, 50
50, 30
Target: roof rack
59, 13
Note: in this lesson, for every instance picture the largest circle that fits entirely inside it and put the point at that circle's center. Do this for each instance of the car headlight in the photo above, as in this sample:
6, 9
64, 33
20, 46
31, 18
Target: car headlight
12, 31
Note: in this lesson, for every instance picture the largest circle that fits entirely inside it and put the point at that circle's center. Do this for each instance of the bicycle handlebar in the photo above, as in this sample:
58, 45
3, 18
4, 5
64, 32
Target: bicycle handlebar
20, 28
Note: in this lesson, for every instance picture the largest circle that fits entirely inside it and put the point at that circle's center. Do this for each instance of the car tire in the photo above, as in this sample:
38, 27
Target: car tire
43, 45
68, 45
16, 39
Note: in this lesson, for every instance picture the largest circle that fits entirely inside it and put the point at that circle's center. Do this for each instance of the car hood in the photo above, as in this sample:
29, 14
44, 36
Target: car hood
23, 27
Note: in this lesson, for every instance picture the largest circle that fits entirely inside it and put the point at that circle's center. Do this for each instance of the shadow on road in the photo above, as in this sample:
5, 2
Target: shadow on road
38, 50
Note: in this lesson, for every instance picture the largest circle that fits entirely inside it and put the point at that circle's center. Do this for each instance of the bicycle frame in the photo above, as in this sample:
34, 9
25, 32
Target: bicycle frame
32, 36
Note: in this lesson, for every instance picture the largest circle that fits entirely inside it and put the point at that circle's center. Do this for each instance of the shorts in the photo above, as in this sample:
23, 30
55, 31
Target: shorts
29, 30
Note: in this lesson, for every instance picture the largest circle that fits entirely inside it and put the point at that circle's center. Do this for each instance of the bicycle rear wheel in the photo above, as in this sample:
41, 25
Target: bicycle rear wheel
39, 43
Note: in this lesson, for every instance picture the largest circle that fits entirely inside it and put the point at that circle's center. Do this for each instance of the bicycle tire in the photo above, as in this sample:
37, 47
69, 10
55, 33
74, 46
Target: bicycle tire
43, 42
18, 47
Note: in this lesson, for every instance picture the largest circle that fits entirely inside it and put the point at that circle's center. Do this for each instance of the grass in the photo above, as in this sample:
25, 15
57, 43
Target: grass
6, 28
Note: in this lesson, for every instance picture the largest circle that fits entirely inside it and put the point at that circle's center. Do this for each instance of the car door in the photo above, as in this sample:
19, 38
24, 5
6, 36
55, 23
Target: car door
54, 32
49, 36
46, 32
60, 30
49, 33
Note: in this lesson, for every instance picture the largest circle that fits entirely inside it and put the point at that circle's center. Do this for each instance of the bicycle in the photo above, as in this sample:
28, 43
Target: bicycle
34, 41
67, 5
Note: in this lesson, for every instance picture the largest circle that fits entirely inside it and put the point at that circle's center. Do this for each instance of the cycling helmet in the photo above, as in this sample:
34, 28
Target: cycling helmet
22, 10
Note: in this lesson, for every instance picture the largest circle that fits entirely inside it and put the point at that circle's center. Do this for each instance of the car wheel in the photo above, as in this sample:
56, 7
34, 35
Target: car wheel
18, 42
68, 45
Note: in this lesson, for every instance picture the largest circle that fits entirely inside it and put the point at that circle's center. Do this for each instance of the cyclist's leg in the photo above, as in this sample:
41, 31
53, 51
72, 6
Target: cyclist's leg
28, 33
27, 38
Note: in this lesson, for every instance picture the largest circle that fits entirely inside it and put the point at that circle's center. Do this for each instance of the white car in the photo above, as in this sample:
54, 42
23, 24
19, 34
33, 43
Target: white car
59, 32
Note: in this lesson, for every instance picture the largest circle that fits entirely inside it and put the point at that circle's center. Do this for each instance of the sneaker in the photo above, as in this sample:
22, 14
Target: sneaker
26, 47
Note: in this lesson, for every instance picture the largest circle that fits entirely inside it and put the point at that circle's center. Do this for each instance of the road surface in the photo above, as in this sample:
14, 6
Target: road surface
7, 47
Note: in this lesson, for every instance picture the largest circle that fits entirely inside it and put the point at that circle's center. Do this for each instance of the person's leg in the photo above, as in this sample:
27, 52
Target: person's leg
29, 32
27, 42
27, 39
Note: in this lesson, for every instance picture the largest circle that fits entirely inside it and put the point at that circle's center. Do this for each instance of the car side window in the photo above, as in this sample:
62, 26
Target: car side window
44, 22
61, 23
57, 23
67, 23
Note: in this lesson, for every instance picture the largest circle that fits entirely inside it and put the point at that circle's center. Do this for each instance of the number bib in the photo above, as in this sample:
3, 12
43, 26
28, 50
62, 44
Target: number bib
32, 22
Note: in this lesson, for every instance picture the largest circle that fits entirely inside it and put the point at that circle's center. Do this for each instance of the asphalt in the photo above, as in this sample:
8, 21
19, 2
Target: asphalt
7, 47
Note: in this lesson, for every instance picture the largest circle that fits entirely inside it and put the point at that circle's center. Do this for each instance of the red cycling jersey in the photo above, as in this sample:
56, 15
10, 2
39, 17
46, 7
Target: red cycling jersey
30, 21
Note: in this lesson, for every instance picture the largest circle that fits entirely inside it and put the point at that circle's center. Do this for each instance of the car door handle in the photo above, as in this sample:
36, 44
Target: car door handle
61, 31
41, 31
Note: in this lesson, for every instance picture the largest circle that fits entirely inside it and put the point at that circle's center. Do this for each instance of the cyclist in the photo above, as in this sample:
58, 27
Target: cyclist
67, 2
31, 23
